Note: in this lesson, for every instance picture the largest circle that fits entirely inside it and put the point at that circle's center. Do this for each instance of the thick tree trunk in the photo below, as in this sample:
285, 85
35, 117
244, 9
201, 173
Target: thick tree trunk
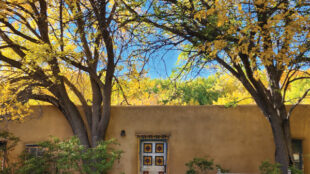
287, 133
282, 142
76, 122
99, 129
276, 113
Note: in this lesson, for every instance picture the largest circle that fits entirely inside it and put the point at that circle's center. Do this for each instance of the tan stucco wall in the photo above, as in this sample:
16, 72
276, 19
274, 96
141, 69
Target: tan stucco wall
237, 138
44, 122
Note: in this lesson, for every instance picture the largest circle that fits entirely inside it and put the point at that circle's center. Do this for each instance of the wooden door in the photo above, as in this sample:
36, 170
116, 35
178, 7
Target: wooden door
153, 156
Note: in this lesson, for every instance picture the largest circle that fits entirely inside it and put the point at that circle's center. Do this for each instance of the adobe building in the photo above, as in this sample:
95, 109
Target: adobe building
164, 138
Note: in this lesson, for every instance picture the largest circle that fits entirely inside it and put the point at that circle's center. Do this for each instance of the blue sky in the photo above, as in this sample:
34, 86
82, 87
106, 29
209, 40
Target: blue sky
161, 65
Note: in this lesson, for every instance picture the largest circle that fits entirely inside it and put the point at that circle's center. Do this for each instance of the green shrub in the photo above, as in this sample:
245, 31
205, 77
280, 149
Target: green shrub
68, 156
202, 166
294, 170
268, 168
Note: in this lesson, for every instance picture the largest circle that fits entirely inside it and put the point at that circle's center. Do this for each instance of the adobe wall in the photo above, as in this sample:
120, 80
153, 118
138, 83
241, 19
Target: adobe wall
237, 138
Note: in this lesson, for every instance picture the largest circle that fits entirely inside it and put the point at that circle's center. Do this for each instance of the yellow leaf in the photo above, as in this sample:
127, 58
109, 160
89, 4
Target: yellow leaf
200, 15
210, 11
220, 23
240, 7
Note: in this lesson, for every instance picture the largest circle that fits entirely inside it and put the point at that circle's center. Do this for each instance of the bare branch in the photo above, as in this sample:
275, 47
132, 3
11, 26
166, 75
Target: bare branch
122, 90
297, 103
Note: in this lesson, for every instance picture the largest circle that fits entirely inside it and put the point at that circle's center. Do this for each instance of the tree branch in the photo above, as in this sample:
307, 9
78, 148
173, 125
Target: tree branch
297, 103
86, 107
122, 90
18, 32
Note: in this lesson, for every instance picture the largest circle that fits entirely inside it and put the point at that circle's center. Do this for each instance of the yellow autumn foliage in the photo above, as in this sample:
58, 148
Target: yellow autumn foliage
10, 108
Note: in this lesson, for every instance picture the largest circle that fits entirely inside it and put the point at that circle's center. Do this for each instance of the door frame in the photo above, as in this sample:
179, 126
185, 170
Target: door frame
152, 137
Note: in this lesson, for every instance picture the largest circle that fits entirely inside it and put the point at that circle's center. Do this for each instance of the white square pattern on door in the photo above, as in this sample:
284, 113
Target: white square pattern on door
153, 157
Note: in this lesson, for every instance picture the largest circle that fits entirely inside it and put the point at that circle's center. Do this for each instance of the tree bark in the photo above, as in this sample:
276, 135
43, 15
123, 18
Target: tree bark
75, 120
282, 140
288, 139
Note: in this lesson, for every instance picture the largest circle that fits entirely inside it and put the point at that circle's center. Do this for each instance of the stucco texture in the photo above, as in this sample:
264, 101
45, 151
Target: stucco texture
238, 138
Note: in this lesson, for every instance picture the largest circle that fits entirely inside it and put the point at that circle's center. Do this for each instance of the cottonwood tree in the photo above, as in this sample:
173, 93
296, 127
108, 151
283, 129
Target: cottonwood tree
41, 41
234, 93
243, 37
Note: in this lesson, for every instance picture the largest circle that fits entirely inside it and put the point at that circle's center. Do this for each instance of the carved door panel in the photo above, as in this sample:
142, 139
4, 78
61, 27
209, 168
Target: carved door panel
153, 157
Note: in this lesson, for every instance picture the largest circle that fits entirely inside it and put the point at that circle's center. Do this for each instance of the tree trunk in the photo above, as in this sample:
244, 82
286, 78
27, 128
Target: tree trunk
281, 141
287, 133
76, 123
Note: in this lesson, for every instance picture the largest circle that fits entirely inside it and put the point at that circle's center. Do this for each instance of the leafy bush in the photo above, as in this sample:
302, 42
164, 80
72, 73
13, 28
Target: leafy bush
202, 166
294, 170
69, 156
268, 168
